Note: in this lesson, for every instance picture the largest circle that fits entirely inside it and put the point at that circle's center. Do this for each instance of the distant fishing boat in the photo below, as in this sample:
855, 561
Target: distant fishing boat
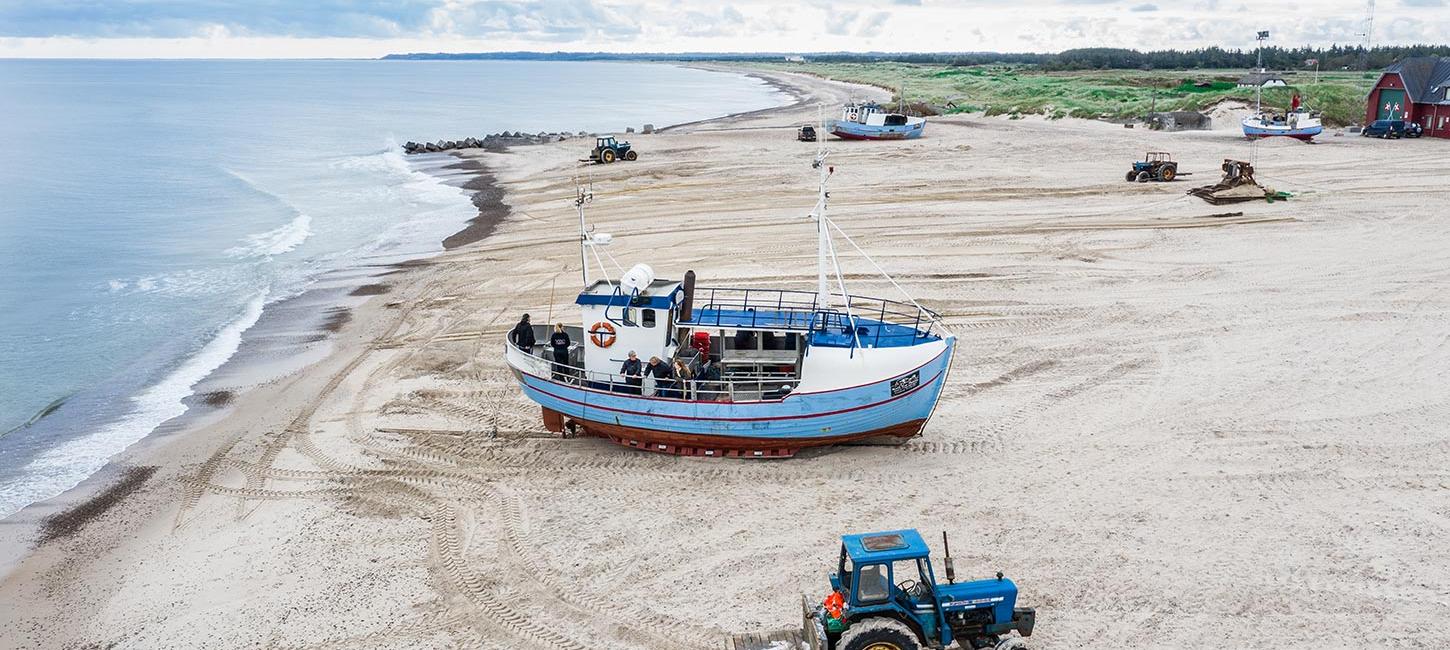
1297, 123
869, 121
771, 371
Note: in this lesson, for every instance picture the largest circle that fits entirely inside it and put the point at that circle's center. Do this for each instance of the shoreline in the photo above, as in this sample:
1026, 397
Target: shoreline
216, 395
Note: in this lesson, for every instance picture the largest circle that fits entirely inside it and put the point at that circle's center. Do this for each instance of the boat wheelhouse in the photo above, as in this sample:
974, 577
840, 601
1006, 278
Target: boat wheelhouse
869, 121
761, 372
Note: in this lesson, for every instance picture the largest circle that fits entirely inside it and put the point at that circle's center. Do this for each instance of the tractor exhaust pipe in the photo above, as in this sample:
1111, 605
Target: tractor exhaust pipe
947, 559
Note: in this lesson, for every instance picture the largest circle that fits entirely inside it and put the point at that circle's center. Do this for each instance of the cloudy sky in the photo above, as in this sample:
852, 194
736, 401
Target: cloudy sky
368, 28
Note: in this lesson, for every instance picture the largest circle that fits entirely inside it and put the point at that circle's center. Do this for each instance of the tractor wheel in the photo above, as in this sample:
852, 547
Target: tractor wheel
878, 634
1168, 174
606, 156
1132, 176
631, 155
1143, 177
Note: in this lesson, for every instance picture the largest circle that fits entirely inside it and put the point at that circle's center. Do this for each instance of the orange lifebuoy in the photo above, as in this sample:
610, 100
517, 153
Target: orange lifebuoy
602, 333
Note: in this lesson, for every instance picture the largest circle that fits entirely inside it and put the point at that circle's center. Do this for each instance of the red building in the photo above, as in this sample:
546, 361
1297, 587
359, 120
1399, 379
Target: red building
1413, 89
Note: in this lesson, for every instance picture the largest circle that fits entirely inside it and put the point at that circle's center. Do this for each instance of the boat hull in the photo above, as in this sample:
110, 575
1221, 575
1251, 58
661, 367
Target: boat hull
897, 406
684, 444
1304, 133
856, 131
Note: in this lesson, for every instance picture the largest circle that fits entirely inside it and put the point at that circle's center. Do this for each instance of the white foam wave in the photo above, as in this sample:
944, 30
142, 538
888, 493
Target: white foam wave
276, 241
65, 466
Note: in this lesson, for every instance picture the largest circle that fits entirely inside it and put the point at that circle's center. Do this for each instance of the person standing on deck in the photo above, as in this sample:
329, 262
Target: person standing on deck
522, 335
683, 374
633, 372
708, 387
560, 342
662, 375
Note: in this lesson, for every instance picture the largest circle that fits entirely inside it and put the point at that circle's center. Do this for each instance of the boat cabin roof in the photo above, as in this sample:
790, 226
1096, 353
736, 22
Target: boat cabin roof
660, 294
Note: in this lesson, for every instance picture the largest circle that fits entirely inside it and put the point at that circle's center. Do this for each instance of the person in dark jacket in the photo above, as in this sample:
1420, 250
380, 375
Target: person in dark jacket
633, 372
664, 376
708, 381
559, 342
522, 335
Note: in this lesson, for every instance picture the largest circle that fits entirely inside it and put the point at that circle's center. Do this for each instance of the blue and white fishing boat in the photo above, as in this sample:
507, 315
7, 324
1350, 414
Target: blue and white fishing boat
1298, 123
869, 121
795, 369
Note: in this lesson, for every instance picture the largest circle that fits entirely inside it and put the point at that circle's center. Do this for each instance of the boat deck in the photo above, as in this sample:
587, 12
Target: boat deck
828, 329
860, 322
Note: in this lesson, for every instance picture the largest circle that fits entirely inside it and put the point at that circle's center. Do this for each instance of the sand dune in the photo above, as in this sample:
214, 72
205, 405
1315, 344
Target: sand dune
1173, 429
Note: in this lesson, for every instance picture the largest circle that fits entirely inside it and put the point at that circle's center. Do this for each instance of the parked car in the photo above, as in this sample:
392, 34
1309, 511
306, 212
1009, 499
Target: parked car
1393, 129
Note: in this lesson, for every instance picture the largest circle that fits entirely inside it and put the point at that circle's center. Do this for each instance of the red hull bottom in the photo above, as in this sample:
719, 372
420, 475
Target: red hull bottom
853, 136
1305, 138
688, 444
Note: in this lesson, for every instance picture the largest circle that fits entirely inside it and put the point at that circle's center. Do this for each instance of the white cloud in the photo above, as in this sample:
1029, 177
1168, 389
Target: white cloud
222, 28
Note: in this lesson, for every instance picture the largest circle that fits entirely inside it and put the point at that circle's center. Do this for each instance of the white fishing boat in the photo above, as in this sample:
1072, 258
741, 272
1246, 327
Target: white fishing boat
770, 371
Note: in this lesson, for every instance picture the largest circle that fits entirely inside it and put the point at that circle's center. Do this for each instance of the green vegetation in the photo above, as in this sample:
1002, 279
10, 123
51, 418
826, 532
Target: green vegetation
1007, 90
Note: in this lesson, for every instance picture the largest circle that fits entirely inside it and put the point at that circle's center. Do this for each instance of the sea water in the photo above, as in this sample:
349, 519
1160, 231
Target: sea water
150, 211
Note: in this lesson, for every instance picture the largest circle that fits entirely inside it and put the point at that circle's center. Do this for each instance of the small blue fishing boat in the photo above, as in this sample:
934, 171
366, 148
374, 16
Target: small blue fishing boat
869, 121
741, 372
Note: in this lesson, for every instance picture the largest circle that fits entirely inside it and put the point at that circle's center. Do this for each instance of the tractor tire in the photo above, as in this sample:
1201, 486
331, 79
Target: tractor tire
1132, 176
631, 155
878, 634
1167, 174
1143, 177
606, 156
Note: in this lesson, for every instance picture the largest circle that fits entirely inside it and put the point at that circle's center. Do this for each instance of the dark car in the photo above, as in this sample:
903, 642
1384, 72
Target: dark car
1393, 129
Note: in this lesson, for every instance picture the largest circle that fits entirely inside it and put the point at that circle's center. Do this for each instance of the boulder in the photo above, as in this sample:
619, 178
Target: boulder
648, 129
431, 147
629, 129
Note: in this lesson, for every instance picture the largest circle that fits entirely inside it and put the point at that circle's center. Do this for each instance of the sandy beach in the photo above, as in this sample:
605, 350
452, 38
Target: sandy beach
1173, 428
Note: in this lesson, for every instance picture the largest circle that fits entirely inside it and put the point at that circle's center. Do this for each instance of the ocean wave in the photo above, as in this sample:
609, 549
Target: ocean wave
65, 466
276, 241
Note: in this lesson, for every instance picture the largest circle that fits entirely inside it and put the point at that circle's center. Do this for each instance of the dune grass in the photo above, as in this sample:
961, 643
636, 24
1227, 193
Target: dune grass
1000, 90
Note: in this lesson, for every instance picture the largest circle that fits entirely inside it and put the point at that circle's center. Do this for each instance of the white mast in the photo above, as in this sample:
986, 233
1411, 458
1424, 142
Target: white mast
1259, 79
823, 234
582, 196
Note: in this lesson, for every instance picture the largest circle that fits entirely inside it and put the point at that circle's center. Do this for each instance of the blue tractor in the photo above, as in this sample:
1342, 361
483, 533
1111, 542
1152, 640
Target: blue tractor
884, 596
1155, 166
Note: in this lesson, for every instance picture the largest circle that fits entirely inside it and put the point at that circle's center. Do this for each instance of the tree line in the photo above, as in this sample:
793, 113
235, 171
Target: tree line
1334, 57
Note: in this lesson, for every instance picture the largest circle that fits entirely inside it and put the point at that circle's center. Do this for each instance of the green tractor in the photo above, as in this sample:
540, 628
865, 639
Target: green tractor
608, 150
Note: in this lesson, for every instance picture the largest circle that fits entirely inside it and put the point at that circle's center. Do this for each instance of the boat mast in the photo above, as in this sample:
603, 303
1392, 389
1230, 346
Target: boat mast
1259, 80
582, 196
823, 235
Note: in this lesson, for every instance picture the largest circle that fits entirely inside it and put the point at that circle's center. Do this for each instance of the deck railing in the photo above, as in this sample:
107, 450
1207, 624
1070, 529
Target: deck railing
740, 387
789, 309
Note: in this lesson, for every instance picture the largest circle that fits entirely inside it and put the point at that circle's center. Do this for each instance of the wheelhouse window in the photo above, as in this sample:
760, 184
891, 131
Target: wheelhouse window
647, 318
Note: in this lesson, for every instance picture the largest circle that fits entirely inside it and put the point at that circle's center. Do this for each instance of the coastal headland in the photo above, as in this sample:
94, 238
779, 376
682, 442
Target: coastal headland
1172, 429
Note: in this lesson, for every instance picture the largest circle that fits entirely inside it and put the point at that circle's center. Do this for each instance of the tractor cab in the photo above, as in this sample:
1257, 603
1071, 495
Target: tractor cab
885, 597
